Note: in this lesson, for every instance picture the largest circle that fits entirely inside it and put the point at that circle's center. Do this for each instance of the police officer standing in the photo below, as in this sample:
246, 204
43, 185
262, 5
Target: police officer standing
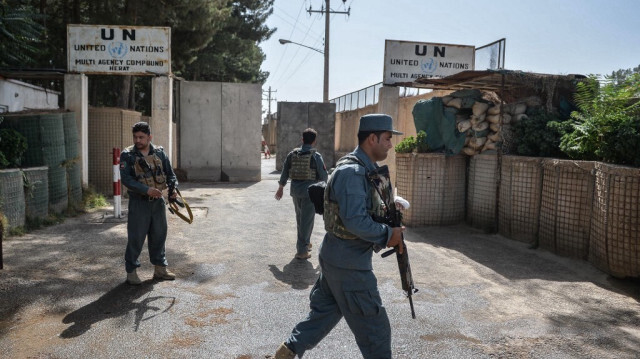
305, 167
146, 172
347, 286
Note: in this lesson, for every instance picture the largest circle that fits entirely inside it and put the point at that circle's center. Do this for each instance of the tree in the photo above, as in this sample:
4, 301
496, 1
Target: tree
607, 125
210, 39
234, 55
618, 77
20, 34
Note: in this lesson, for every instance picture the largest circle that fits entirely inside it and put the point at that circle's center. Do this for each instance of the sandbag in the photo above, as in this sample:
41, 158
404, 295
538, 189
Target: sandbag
479, 108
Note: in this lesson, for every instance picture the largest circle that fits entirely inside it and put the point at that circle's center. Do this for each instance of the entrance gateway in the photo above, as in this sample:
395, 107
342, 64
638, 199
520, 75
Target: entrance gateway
119, 50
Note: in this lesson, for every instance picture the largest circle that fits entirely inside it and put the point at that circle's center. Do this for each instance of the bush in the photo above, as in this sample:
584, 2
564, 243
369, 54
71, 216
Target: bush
92, 199
411, 144
607, 125
12, 146
540, 134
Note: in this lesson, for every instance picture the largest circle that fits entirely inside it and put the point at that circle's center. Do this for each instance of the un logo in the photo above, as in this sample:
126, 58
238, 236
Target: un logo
117, 49
429, 66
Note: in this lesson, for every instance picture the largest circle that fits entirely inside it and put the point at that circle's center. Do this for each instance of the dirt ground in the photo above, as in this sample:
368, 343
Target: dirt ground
239, 291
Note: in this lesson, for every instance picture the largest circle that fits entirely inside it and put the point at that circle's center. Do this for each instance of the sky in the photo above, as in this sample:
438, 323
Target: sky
544, 36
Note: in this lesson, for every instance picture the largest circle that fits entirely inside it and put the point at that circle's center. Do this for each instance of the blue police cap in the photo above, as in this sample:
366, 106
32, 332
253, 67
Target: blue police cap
377, 122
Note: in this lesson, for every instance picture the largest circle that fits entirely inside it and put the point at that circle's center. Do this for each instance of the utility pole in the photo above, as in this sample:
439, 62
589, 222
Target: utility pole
326, 11
269, 99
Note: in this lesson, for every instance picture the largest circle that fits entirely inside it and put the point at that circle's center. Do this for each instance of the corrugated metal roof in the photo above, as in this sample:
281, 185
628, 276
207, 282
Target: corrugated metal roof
489, 80
33, 74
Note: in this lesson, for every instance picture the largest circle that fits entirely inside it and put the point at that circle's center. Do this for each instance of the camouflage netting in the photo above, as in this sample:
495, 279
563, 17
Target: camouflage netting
434, 185
45, 141
519, 204
12, 196
72, 164
615, 223
565, 211
36, 192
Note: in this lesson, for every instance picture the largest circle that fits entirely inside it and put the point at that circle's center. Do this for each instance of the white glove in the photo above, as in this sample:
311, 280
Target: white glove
401, 203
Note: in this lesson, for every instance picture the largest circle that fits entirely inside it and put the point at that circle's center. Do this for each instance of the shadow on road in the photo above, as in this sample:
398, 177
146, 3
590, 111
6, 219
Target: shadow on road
515, 260
117, 302
300, 274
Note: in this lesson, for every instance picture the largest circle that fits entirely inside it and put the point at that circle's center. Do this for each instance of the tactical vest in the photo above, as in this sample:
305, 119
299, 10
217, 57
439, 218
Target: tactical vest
301, 165
149, 171
332, 222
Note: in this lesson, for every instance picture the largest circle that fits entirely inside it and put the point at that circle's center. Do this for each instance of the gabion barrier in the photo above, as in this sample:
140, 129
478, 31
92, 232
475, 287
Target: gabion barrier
519, 203
481, 192
565, 210
434, 184
615, 220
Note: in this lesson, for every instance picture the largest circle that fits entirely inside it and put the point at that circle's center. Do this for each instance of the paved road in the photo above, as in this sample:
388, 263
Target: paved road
239, 291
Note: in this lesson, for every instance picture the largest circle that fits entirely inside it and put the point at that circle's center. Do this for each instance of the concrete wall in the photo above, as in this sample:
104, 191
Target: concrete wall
219, 133
17, 96
295, 117
390, 103
241, 112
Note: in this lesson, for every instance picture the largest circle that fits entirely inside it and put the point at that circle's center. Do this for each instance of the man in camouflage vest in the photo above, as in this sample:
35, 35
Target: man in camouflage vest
305, 167
146, 172
347, 286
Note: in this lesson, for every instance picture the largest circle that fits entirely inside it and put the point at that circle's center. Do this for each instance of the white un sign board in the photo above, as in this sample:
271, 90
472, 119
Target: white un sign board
119, 50
406, 61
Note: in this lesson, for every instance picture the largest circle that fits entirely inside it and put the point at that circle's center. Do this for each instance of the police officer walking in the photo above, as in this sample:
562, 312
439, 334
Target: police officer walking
305, 167
347, 286
146, 172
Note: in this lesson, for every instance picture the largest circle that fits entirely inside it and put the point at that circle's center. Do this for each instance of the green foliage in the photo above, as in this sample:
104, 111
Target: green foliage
607, 125
421, 142
20, 34
411, 144
12, 146
93, 199
540, 134
211, 40
233, 55
407, 145
618, 77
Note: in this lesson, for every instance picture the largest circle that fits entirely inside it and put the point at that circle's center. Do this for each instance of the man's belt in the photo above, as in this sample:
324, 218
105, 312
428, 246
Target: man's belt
142, 197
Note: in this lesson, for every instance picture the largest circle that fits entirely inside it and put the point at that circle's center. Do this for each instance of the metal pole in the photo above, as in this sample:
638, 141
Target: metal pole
117, 206
325, 90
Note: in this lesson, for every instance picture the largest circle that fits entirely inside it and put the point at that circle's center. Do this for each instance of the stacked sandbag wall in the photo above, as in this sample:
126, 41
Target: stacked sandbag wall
615, 223
482, 185
45, 147
12, 204
36, 192
434, 185
109, 128
519, 200
565, 209
488, 125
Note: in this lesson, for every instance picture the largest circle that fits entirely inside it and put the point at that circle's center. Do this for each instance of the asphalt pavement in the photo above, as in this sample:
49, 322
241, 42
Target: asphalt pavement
239, 291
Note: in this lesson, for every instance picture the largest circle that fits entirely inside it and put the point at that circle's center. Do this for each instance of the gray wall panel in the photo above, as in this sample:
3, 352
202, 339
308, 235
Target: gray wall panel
220, 131
241, 125
295, 117
201, 129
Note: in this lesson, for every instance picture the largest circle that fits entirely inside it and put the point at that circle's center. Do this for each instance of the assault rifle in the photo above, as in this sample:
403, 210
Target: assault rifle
406, 278
394, 219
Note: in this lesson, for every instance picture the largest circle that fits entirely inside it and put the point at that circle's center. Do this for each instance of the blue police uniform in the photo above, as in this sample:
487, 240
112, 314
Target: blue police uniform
147, 216
346, 285
305, 211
